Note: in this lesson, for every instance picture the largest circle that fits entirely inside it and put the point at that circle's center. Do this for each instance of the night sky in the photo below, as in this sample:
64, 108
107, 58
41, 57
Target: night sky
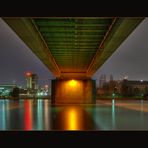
130, 59
16, 59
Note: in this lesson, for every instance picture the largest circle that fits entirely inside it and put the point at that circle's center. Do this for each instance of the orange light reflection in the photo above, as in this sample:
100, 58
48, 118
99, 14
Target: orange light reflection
72, 118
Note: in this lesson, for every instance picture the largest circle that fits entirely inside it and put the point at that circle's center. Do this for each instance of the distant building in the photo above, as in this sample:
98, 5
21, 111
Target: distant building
112, 85
123, 87
32, 81
111, 78
132, 87
102, 80
6, 89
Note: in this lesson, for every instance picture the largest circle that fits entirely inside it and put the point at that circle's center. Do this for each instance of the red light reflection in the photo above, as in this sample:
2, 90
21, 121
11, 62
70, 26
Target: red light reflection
28, 115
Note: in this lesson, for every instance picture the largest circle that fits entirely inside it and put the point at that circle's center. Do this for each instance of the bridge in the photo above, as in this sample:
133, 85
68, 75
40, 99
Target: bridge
73, 49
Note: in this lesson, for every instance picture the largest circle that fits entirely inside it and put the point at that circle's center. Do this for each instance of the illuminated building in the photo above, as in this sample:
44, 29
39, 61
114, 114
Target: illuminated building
5, 89
102, 80
32, 81
133, 87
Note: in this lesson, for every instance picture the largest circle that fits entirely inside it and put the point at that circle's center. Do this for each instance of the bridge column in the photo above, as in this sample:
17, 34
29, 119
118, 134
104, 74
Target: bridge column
73, 91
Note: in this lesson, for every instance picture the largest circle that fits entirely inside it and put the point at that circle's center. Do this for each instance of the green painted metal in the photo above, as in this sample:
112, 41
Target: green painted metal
73, 41
73, 46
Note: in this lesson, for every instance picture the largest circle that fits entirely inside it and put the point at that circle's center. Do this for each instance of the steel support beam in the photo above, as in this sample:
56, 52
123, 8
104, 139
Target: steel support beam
27, 31
119, 32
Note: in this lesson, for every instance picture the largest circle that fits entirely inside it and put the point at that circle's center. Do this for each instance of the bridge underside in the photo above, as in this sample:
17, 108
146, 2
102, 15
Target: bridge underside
73, 48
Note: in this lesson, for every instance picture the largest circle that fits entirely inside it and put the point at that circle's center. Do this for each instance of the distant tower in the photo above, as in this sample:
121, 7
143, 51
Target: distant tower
111, 78
102, 80
28, 80
111, 85
32, 80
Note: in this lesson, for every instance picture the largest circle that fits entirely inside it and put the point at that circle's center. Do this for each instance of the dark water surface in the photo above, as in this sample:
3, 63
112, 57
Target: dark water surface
39, 114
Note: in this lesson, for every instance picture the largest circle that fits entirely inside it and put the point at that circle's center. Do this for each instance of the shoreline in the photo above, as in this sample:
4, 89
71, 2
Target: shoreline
25, 98
49, 98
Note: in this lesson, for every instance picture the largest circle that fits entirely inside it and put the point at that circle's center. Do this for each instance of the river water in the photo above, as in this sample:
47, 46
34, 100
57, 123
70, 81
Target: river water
29, 114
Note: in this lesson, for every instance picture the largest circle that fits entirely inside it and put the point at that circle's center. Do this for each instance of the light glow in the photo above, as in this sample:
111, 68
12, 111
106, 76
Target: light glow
46, 86
72, 120
28, 74
113, 113
73, 83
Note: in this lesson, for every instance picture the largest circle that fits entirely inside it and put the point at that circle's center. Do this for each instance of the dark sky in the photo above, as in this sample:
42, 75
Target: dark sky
16, 59
130, 59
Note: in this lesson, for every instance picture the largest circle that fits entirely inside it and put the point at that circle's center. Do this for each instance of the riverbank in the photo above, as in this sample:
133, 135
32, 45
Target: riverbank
127, 98
17, 98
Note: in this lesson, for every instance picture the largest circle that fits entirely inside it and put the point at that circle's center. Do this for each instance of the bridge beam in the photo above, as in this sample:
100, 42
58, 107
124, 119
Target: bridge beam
120, 30
27, 31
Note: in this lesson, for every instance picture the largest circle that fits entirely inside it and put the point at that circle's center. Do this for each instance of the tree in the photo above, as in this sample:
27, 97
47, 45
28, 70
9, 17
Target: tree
124, 88
15, 92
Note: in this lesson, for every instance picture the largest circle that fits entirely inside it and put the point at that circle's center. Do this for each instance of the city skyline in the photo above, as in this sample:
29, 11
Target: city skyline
22, 59
128, 60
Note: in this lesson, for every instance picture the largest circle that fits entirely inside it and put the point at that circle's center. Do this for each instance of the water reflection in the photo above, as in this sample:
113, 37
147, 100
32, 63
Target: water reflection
12, 118
141, 114
28, 115
113, 113
7, 102
47, 114
141, 102
2, 115
102, 117
39, 114
71, 118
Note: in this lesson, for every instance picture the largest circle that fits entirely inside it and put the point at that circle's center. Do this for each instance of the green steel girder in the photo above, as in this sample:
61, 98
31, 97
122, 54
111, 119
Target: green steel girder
74, 45
72, 21
120, 31
72, 33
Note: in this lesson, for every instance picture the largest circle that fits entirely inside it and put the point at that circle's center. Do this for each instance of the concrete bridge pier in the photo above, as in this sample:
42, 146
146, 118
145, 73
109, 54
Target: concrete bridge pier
72, 91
